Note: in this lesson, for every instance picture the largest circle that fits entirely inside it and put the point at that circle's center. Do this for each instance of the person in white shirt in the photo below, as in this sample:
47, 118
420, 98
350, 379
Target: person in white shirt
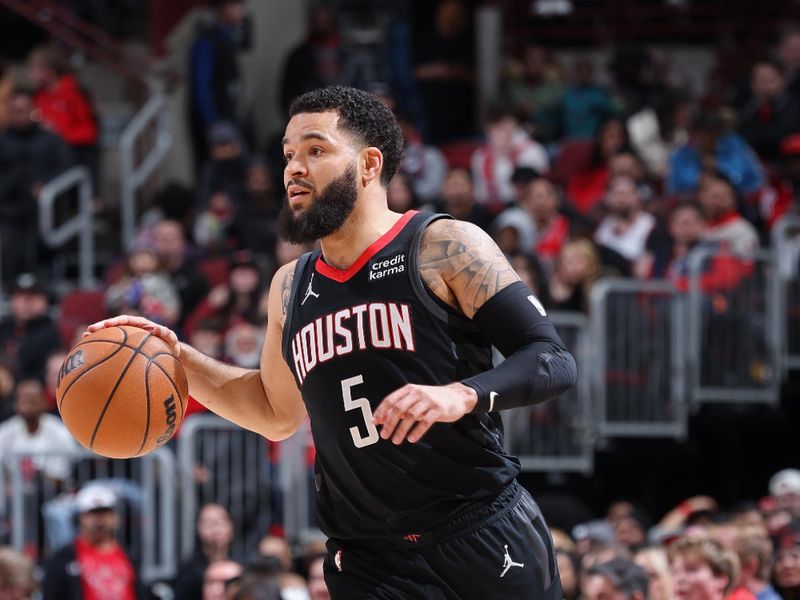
626, 227
507, 147
32, 430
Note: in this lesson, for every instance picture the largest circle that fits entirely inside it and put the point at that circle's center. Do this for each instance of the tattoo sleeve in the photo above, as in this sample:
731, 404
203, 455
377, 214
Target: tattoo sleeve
462, 265
286, 294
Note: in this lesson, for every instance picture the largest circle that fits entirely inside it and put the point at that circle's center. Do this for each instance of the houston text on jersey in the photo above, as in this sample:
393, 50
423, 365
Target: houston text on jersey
376, 325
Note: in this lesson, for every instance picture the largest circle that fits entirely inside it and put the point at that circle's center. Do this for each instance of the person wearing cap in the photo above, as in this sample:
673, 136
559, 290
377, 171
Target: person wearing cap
616, 579
215, 84
784, 486
94, 566
28, 334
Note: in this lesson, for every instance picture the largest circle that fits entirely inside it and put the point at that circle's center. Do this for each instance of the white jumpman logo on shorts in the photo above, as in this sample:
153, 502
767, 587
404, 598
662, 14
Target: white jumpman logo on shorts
508, 563
309, 291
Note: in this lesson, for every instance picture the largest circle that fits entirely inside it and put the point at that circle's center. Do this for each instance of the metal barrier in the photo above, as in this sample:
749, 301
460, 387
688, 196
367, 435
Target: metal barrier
222, 463
734, 329
39, 501
81, 225
638, 381
558, 436
786, 245
133, 177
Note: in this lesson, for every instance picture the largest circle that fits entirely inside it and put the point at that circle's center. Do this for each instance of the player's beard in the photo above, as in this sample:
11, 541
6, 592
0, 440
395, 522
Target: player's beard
327, 211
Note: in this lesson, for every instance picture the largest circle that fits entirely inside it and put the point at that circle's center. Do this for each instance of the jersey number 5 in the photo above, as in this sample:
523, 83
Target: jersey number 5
350, 403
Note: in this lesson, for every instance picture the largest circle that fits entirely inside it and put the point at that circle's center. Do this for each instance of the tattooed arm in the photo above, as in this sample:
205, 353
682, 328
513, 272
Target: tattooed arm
462, 265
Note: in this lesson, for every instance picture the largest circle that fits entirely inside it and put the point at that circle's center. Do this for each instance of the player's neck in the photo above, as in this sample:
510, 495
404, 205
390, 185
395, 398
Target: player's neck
367, 223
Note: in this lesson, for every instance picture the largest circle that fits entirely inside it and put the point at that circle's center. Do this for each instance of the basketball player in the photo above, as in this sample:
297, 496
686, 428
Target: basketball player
384, 337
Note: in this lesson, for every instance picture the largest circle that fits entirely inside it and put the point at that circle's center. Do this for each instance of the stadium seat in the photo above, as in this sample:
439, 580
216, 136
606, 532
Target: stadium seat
80, 308
216, 270
574, 156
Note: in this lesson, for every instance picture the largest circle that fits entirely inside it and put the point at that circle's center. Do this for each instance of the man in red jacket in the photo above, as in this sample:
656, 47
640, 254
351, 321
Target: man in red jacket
63, 105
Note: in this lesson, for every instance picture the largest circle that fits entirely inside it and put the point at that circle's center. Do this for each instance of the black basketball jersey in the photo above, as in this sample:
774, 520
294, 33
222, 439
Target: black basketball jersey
352, 337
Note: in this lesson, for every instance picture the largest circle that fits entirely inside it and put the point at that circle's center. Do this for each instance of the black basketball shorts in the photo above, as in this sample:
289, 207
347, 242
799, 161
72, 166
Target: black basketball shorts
502, 550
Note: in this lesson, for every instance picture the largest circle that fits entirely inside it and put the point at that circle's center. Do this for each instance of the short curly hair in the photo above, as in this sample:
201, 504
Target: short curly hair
362, 115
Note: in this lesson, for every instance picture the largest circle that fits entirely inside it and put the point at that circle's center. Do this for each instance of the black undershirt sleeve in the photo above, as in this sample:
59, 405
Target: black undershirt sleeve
538, 366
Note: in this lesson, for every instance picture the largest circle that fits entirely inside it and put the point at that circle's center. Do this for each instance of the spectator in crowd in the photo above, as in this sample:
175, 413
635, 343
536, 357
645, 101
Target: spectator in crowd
278, 548
712, 145
576, 269
215, 86
226, 169
169, 241
243, 344
64, 107
627, 226
587, 187
784, 486
238, 300
630, 529
529, 269
444, 69
30, 156
217, 578
718, 198
755, 557
458, 199
7, 384
653, 559
786, 572
667, 250
256, 218
317, 588
771, 114
533, 88
32, 430
214, 226
702, 569
626, 162
507, 148
206, 335
28, 334
423, 165
616, 579
546, 229
400, 195
317, 61
568, 570
145, 289
214, 537
17, 581
585, 105
789, 57
95, 565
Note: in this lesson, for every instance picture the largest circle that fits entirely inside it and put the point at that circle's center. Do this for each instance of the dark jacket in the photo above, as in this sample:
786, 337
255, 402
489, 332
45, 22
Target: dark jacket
28, 345
62, 578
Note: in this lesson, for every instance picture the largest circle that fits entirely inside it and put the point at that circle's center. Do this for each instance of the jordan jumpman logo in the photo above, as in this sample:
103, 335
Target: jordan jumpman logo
309, 291
508, 563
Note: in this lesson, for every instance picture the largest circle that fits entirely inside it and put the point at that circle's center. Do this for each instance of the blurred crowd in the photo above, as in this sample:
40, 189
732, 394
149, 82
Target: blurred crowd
577, 173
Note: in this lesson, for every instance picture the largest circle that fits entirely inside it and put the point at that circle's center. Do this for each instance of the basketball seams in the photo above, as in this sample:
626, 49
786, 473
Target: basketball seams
147, 399
88, 369
137, 352
151, 361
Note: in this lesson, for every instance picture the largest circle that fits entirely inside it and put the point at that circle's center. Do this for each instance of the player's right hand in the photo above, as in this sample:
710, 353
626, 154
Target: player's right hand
165, 333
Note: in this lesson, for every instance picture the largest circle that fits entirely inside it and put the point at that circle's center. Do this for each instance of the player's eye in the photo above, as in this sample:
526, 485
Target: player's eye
287, 156
315, 151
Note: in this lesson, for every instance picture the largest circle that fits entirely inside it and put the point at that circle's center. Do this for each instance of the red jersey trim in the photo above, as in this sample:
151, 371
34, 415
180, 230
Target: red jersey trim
340, 275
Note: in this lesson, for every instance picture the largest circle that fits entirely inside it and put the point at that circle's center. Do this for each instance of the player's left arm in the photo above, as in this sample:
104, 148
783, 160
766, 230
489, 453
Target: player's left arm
463, 266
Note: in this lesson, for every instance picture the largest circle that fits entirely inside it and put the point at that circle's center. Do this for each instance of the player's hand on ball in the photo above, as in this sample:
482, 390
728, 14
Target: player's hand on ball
165, 333
409, 412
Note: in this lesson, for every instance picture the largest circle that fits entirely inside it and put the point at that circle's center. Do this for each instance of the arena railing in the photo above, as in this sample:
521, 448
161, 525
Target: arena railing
558, 436
786, 245
154, 114
734, 327
224, 464
80, 225
40, 506
638, 379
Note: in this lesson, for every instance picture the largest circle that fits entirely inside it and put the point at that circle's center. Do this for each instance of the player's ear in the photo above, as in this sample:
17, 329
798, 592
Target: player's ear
371, 164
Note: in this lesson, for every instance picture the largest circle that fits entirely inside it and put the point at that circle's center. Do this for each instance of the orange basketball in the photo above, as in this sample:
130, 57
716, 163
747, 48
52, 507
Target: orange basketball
121, 392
